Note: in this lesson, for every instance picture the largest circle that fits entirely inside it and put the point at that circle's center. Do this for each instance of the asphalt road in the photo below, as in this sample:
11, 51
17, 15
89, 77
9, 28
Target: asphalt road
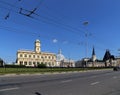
105, 82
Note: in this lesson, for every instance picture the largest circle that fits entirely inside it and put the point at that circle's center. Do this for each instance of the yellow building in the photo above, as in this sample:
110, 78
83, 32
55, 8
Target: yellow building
33, 58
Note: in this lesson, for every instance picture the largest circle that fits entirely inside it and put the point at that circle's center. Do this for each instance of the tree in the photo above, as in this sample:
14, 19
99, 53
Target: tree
42, 65
1, 62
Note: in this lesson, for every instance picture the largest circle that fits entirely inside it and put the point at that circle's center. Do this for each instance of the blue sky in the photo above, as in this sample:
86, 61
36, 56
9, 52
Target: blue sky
59, 25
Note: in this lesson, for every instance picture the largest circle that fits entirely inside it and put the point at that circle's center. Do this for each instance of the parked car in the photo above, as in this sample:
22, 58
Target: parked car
116, 68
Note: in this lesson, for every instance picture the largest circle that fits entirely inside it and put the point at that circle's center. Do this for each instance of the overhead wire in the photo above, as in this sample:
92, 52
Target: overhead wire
8, 14
51, 21
10, 29
73, 29
9, 4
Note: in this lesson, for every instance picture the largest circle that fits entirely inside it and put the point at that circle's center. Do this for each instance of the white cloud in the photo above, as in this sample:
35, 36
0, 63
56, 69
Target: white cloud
55, 40
65, 42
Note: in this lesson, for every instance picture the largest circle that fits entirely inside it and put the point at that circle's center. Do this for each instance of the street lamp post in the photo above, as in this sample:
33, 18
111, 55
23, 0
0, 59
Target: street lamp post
86, 36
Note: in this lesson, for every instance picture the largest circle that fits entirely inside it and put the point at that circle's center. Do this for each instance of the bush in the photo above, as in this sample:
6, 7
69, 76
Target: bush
14, 66
42, 65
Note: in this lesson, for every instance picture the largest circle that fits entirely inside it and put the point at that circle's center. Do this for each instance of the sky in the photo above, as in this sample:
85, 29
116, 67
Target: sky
58, 24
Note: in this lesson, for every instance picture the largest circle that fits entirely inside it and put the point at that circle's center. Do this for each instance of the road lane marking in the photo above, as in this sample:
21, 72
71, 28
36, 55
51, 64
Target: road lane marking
7, 89
65, 81
94, 83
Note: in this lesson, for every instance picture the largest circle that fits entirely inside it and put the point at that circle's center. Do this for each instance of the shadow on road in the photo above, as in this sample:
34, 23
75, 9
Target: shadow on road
37, 93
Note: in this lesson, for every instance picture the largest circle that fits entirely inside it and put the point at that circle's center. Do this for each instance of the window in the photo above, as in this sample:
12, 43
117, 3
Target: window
21, 55
29, 56
38, 56
33, 56
30, 63
52, 57
25, 55
21, 62
34, 63
25, 63
45, 56
38, 63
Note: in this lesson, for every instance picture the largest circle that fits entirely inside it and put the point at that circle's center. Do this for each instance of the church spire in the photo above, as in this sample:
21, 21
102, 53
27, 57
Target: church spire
93, 52
93, 55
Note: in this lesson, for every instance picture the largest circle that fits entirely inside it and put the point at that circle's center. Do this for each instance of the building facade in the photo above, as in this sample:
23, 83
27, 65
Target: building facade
36, 57
116, 62
90, 62
63, 62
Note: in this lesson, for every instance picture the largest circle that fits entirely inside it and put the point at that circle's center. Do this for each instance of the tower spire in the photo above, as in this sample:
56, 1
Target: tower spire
93, 55
37, 46
93, 52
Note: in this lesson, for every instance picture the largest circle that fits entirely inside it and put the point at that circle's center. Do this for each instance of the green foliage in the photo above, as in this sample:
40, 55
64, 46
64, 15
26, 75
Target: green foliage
42, 65
14, 66
44, 70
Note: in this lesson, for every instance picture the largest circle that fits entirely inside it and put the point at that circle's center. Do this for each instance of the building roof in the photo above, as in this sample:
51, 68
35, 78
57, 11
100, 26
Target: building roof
60, 56
37, 40
107, 55
33, 52
25, 51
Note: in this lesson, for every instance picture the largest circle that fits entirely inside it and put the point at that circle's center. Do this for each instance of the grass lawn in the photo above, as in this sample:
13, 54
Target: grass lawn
41, 70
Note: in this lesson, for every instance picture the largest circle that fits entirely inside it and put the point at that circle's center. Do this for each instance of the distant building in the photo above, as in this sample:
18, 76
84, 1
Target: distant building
33, 58
109, 59
90, 62
63, 62
81, 63
117, 61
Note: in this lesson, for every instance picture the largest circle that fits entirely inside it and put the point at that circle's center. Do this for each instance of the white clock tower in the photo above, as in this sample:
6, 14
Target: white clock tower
37, 46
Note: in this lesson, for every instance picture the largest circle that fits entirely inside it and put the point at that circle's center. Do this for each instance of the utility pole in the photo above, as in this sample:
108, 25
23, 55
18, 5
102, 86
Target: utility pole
86, 36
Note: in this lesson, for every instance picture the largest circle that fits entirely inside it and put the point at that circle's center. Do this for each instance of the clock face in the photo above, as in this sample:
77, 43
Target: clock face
37, 44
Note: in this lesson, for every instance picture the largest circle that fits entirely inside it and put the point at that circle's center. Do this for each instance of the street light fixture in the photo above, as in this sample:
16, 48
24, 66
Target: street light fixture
85, 23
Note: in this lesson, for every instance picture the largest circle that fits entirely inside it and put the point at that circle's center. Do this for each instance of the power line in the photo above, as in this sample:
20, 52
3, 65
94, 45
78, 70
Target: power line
39, 35
11, 5
52, 21
8, 14
10, 29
